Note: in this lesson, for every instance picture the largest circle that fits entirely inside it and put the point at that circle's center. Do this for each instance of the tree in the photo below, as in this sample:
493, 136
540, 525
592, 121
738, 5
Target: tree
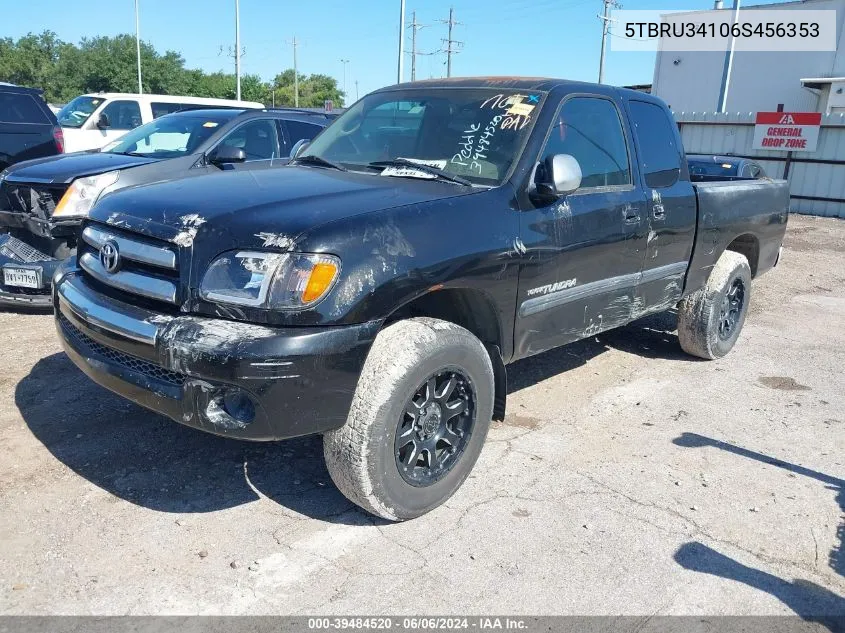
314, 90
30, 61
109, 64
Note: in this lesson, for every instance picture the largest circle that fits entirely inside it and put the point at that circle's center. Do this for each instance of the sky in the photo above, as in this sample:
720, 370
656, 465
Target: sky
551, 38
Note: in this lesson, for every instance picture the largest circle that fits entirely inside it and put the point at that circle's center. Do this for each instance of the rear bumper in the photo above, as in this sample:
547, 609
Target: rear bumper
299, 381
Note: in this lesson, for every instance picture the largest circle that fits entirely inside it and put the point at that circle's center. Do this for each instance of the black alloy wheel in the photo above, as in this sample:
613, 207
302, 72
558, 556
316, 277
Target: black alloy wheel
731, 309
435, 428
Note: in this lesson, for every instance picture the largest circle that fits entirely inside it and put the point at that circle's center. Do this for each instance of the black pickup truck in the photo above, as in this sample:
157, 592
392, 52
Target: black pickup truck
374, 290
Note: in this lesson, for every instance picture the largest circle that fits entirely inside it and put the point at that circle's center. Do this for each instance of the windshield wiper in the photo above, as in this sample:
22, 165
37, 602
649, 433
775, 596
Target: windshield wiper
426, 169
313, 159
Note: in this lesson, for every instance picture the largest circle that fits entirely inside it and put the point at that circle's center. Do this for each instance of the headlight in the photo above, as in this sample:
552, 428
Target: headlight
83, 193
269, 280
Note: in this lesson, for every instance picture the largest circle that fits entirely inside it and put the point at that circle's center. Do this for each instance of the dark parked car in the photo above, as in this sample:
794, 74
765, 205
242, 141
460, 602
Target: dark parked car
707, 167
28, 127
42, 202
375, 290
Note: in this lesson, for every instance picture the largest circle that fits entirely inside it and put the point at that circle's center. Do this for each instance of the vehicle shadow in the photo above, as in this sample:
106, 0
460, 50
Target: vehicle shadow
653, 336
812, 602
837, 555
153, 462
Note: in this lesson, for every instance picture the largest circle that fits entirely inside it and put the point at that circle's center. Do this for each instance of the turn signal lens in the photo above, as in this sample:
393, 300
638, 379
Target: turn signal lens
320, 280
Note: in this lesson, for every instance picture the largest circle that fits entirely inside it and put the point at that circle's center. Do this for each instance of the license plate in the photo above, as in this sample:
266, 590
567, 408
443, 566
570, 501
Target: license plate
21, 277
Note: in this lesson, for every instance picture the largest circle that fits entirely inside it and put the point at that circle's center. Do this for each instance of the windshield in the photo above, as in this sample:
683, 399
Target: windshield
77, 112
474, 133
709, 168
167, 137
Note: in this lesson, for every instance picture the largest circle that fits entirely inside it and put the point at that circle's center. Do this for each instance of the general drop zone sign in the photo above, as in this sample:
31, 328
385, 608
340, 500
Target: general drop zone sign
787, 131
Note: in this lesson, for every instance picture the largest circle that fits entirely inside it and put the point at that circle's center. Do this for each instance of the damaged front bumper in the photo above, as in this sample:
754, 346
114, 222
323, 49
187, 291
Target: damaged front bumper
225, 377
25, 274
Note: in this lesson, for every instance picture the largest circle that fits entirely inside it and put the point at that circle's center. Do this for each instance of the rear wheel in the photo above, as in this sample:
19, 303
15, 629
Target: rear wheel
418, 420
710, 319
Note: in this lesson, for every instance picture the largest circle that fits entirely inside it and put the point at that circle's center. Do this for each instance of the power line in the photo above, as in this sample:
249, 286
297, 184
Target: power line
452, 46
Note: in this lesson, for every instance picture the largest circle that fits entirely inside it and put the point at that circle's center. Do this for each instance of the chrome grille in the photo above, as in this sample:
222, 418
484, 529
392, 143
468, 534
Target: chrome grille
132, 363
145, 268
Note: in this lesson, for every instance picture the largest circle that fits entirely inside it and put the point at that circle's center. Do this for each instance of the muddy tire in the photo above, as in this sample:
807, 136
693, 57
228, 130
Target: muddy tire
418, 420
710, 319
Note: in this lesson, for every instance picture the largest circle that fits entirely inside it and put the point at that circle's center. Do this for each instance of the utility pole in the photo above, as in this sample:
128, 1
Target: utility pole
729, 60
605, 29
356, 90
344, 62
238, 47
415, 26
295, 75
399, 70
449, 42
138, 48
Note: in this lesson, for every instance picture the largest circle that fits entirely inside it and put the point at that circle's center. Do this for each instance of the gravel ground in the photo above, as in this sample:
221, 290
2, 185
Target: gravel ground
628, 478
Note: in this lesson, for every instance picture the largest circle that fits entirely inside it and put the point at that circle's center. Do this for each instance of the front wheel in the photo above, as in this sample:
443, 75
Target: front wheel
710, 319
418, 420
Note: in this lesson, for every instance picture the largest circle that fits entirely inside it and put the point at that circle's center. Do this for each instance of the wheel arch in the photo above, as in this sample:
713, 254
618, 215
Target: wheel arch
474, 311
748, 245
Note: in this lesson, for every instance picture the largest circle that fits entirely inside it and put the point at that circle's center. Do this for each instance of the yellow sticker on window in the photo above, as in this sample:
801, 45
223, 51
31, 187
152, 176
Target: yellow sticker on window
210, 124
520, 109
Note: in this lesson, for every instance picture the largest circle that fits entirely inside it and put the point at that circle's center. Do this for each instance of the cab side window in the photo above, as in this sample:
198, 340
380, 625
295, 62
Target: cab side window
298, 130
123, 115
661, 157
160, 109
590, 129
751, 170
258, 139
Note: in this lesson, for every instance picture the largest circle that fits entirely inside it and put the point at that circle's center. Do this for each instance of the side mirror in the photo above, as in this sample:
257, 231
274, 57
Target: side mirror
226, 154
561, 175
103, 122
299, 147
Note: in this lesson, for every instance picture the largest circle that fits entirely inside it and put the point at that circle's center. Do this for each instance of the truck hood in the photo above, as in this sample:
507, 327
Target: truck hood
65, 168
259, 209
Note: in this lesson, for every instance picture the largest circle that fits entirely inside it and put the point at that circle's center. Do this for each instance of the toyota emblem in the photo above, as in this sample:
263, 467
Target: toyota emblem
110, 256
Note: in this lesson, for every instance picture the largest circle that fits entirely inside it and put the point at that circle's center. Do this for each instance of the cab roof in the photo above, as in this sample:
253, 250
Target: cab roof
515, 83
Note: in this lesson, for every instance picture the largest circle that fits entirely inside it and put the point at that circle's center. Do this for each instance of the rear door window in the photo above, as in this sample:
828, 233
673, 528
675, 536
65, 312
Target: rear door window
123, 115
160, 109
259, 139
20, 108
659, 151
297, 130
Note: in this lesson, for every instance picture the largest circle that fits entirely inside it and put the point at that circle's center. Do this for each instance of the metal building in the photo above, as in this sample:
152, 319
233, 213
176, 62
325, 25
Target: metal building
759, 81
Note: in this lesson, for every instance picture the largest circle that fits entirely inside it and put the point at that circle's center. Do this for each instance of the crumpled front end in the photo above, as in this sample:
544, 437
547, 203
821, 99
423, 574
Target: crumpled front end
31, 242
225, 377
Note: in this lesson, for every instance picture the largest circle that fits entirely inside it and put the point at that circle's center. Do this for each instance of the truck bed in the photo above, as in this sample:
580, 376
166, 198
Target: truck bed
750, 214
